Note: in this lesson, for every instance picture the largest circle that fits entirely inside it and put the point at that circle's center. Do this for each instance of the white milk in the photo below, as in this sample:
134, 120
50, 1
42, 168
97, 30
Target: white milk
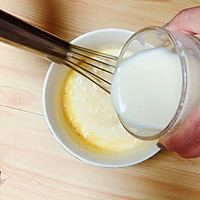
146, 89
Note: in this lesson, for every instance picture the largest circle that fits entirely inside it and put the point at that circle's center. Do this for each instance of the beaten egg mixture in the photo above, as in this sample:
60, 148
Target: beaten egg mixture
88, 110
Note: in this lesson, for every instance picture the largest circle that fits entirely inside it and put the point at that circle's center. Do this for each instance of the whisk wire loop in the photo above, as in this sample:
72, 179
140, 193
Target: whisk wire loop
98, 67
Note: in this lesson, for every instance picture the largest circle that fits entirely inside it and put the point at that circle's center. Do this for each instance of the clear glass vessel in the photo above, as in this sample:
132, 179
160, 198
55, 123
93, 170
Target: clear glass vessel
188, 50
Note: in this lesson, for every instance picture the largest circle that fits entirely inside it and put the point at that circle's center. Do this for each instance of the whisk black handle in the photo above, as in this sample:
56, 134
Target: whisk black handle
21, 34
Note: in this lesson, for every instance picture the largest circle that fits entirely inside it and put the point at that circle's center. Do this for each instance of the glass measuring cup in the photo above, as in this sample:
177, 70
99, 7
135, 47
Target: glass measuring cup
187, 49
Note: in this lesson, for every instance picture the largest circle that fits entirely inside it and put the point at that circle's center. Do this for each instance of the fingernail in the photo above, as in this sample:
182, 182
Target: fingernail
164, 26
161, 146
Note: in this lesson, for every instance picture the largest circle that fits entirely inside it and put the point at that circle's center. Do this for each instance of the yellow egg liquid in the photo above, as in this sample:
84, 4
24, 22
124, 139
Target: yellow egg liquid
89, 112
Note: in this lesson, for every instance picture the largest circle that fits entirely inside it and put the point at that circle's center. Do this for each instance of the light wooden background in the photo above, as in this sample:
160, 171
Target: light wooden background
33, 165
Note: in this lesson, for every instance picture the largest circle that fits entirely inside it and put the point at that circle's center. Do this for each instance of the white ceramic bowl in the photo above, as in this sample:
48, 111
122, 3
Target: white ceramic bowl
97, 40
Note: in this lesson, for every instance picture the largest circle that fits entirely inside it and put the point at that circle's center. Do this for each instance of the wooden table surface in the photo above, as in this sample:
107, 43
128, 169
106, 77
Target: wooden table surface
33, 165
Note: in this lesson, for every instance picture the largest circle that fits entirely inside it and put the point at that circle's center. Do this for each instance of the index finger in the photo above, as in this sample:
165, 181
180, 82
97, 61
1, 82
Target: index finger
186, 21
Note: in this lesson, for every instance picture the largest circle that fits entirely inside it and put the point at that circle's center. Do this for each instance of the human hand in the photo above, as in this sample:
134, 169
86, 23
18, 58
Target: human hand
186, 21
186, 140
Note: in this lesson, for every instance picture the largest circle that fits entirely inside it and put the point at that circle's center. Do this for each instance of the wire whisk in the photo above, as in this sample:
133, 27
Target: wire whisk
96, 66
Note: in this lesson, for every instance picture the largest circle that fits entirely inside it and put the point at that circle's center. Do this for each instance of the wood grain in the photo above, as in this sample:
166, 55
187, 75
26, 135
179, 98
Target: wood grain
32, 164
